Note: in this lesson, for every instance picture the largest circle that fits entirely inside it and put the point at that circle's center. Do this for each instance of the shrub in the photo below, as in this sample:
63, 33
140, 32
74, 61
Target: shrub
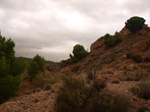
18, 66
103, 102
8, 87
36, 65
134, 75
135, 24
71, 96
42, 79
106, 102
9, 79
99, 84
111, 40
4, 67
108, 40
142, 90
90, 75
121, 103
7, 48
74, 96
117, 38
137, 58
78, 53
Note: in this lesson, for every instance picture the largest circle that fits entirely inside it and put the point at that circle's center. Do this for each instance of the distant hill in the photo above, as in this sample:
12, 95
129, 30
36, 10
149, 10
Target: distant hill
47, 62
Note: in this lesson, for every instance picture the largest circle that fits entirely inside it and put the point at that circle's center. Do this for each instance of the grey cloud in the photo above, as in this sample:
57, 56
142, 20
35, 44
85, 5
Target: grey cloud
138, 6
52, 27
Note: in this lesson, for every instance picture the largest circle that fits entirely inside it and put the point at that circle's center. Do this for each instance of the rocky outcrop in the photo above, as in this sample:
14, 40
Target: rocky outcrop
97, 44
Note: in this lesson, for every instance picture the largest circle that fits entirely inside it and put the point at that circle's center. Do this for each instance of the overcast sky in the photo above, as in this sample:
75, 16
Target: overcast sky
51, 28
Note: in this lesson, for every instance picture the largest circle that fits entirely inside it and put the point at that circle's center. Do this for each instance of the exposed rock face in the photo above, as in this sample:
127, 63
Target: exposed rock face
97, 44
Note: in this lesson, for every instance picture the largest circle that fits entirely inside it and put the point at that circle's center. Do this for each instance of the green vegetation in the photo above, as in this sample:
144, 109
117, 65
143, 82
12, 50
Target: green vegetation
10, 69
121, 103
135, 24
43, 79
99, 84
71, 96
36, 65
112, 40
75, 96
102, 102
18, 66
106, 102
8, 87
142, 90
78, 53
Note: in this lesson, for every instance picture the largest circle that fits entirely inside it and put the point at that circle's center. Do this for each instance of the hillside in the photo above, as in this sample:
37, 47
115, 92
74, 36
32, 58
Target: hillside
102, 57
113, 64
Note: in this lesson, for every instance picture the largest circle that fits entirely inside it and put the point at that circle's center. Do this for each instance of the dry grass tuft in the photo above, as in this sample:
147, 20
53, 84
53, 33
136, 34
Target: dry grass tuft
43, 79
